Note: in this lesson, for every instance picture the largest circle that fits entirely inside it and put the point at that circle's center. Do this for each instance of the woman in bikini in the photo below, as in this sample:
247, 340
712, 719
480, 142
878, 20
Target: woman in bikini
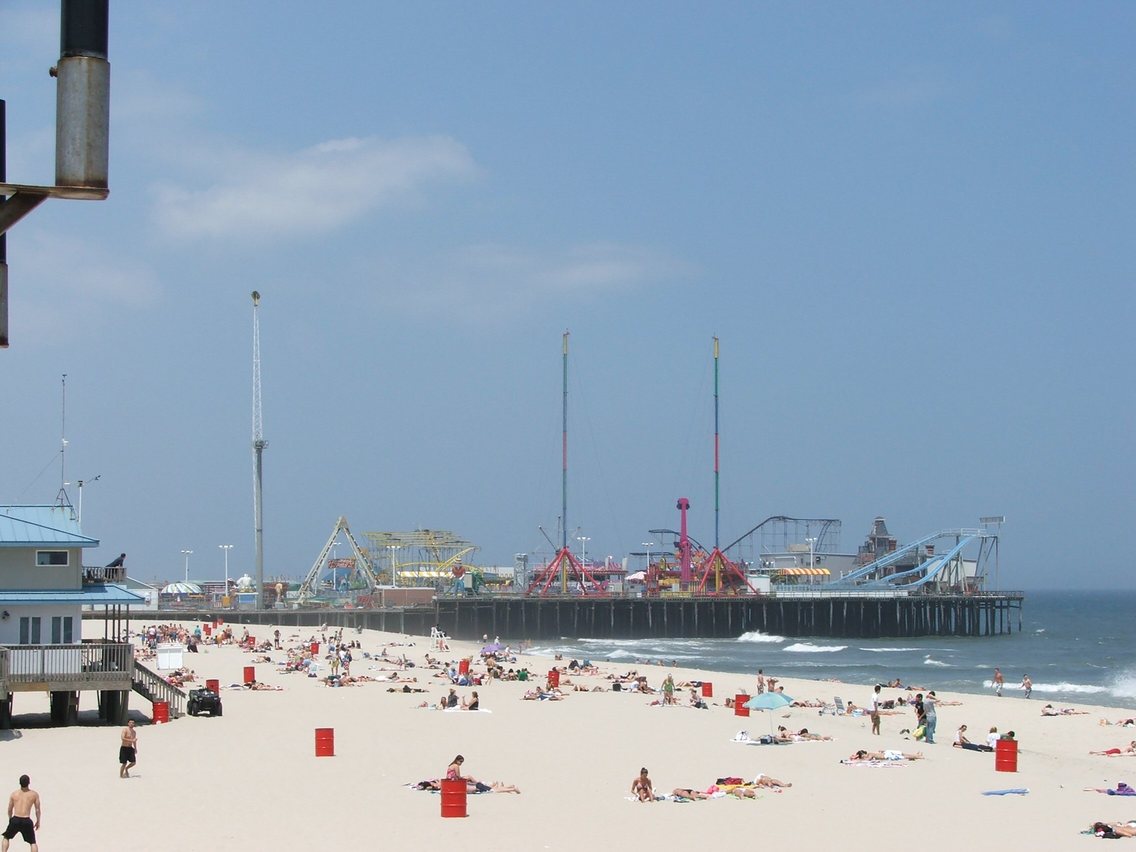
642, 788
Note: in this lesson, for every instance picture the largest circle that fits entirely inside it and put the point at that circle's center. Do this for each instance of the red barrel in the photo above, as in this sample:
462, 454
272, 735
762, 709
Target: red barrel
553, 678
315, 649
463, 667
161, 712
252, 641
1006, 756
740, 708
250, 674
213, 685
208, 629
325, 742
707, 689
453, 799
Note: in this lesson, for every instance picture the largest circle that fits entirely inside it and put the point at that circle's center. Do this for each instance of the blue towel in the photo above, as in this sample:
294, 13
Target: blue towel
1017, 791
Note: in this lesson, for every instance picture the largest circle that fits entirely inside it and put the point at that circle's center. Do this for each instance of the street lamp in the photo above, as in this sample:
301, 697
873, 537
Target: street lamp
583, 539
647, 544
88, 481
226, 548
811, 541
187, 554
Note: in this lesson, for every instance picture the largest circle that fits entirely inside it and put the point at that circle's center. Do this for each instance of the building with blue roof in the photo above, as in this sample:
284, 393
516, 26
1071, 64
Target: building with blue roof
44, 588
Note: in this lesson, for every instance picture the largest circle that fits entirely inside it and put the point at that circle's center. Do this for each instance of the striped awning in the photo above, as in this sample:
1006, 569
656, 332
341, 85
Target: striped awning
804, 572
425, 574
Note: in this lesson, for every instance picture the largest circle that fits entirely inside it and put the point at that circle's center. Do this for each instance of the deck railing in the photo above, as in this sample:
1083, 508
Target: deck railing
70, 664
156, 688
93, 575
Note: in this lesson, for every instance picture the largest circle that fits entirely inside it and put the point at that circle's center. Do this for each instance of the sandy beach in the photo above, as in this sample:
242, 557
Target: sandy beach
250, 779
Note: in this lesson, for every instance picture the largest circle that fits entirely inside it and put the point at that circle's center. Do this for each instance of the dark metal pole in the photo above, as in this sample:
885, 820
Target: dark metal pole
3, 235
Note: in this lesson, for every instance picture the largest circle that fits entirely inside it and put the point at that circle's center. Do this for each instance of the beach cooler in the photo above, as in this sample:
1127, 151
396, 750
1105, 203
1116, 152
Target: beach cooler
740, 708
1006, 756
453, 799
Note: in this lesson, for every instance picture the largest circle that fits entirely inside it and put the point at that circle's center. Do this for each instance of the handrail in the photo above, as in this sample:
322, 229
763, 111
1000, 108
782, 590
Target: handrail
74, 664
157, 688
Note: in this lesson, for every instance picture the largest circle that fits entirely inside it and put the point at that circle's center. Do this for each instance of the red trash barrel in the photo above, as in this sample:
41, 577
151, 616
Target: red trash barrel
250, 674
463, 666
315, 649
161, 712
252, 641
707, 689
213, 685
208, 629
554, 678
325, 742
453, 799
1006, 756
739, 704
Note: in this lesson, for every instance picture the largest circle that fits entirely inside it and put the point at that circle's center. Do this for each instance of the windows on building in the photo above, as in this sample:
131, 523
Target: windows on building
61, 630
30, 630
52, 558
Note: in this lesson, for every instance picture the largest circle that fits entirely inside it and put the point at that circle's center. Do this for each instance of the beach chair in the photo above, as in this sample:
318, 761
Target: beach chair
839, 706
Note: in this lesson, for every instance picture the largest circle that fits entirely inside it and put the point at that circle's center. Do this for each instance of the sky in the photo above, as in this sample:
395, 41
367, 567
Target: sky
910, 226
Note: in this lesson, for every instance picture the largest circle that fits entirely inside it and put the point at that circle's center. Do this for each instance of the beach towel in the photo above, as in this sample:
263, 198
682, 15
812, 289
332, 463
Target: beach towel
1014, 791
880, 763
463, 710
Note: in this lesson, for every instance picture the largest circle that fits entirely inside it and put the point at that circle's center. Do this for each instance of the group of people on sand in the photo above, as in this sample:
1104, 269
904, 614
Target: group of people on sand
643, 789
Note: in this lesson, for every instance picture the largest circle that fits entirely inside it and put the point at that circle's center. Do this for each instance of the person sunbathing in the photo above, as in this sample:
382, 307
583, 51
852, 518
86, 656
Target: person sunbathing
804, 734
1050, 710
763, 780
1116, 752
1114, 829
689, 793
888, 754
1124, 723
500, 787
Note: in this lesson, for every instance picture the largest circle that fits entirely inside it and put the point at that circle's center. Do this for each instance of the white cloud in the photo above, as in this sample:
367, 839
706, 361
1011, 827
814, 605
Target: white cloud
488, 282
259, 195
49, 270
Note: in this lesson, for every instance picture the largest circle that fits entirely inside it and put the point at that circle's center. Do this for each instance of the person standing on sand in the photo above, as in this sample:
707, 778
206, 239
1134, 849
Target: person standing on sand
875, 710
128, 750
999, 681
20, 805
930, 717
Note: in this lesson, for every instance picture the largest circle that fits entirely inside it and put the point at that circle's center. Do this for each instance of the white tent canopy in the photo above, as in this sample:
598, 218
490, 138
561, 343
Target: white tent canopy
182, 589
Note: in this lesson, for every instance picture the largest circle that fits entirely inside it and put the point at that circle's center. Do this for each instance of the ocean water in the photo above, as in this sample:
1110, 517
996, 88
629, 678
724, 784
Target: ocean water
1075, 646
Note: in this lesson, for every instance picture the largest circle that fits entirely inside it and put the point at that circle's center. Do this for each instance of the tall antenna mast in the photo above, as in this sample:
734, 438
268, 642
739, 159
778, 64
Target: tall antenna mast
716, 474
564, 455
62, 499
258, 445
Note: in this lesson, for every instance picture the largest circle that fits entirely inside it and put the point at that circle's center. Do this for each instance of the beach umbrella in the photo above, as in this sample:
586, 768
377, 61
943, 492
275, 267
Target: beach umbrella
493, 648
769, 701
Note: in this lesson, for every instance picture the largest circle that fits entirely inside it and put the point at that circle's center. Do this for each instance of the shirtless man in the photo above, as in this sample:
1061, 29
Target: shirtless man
128, 751
20, 805
999, 682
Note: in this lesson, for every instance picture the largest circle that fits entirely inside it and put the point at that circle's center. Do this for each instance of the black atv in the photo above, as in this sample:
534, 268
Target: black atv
203, 701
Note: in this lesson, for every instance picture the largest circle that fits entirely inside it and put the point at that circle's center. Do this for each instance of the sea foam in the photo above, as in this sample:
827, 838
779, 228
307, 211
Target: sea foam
758, 636
809, 648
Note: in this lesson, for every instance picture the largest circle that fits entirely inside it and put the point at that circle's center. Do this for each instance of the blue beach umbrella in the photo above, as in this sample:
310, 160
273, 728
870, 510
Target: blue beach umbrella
769, 701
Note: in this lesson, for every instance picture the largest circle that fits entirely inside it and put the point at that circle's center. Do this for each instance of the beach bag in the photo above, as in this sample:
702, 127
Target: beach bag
919, 732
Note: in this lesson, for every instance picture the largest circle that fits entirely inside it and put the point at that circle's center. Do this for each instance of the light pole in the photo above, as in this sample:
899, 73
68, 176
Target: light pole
81, 481
226, 548
647, 544
187, 554
811, 541
583, 539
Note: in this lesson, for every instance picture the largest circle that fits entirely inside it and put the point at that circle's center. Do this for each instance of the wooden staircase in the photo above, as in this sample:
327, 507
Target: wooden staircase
153, 688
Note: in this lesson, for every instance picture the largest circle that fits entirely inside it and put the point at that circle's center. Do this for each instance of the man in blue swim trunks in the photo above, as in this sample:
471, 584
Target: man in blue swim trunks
20, 805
